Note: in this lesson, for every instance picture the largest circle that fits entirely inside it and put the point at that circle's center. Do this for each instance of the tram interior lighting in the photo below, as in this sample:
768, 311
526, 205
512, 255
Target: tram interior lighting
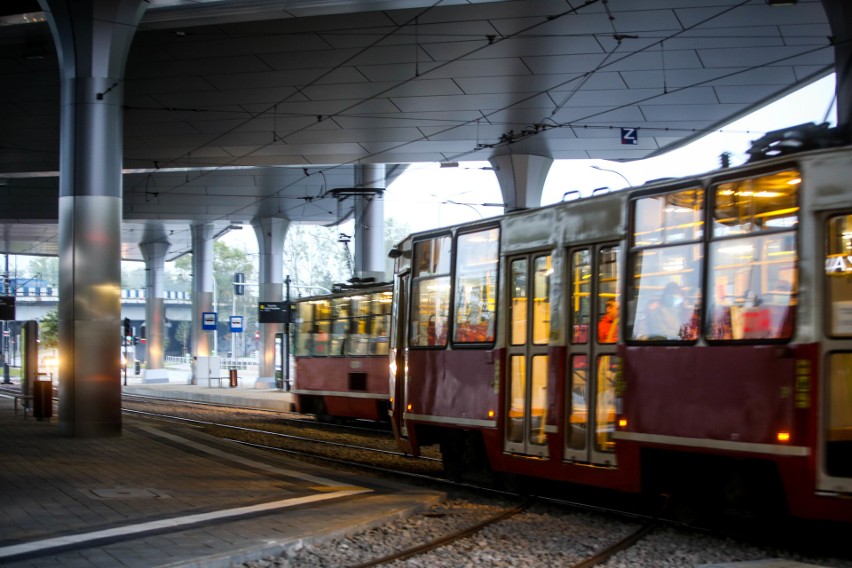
783, 436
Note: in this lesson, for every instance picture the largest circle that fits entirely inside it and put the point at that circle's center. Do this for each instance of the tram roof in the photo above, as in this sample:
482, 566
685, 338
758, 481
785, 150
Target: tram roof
236, 109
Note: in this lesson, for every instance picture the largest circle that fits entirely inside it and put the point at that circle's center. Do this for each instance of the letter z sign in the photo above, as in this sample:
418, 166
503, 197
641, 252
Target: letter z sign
630, 136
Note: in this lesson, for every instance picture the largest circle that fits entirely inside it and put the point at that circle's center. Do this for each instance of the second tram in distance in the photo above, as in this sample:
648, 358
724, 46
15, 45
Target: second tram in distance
689, 337
341, 354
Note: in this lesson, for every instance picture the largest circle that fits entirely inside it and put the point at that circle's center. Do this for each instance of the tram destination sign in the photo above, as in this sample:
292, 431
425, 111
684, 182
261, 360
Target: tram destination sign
273, 312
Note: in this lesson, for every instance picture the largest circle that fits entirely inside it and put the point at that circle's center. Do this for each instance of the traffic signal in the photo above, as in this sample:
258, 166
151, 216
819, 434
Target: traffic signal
127, 330
239, 284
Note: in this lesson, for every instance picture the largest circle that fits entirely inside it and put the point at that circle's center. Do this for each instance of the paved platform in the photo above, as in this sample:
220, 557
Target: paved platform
169, 496
248, 392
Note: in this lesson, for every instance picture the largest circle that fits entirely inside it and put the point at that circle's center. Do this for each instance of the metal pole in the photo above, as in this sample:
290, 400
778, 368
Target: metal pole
6, 378
285, 356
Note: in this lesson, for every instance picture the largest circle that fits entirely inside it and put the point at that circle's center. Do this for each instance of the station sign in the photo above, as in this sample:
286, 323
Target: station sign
208, 321
7, 308
236, 324
273, 312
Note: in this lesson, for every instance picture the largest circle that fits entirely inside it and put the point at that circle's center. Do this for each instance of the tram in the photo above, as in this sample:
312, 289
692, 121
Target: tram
341, 353
690, 337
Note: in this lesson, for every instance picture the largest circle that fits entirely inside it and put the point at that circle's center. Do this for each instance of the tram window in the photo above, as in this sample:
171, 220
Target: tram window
322, 328
518, 289
538, 401
304, 329
430, 299
666, 297
669, 218
541, 300
838, 448
380, 309
581, 285
578, 411
609, 289
838, 269
476, 286
665, 276
758, 204
605, 396
753, 259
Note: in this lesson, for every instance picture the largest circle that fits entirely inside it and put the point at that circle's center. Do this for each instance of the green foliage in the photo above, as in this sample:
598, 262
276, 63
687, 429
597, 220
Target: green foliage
48, 329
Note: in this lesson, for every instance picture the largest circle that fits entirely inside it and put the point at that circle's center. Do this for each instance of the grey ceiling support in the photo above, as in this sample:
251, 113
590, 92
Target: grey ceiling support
839, 14
370, 222
270, 233
92, 39
521, 178
202, 289
154, 253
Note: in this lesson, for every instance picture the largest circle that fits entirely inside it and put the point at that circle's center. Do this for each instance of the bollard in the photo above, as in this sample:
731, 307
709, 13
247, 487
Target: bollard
232, 375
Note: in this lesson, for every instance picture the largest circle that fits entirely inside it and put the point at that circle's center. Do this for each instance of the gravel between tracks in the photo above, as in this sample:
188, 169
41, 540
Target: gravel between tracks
541, 536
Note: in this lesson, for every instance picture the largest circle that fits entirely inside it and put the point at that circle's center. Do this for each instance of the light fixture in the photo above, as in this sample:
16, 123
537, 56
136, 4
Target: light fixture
781, 2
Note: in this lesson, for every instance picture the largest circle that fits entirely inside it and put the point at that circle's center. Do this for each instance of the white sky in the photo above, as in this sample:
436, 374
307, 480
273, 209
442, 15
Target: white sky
428, 196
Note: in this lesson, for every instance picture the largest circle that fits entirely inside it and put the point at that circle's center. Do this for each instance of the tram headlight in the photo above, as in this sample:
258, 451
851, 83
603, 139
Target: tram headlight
783, 437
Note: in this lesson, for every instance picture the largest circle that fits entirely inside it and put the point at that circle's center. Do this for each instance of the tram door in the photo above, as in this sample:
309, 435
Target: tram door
527, 360
398, 337
592, 367
836, 437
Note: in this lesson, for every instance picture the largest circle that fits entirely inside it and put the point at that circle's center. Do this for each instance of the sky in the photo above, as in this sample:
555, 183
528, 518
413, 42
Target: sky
428, 196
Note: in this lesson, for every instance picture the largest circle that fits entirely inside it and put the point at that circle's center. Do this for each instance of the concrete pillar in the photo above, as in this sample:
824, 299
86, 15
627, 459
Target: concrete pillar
521, 178
370, 223
839, 14
202, 290
154, 252
270, 233
92, 39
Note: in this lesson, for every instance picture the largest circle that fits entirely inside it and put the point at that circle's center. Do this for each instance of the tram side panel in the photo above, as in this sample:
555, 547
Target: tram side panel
351, 387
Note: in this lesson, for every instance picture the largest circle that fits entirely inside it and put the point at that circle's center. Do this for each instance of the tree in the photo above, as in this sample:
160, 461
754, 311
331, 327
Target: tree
45, 267
48, 329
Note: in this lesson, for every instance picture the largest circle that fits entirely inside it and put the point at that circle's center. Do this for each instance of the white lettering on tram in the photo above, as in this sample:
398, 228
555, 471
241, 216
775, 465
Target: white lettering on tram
839, 263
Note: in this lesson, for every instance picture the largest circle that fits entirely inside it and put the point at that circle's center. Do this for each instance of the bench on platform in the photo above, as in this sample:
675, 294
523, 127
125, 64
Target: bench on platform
26, 402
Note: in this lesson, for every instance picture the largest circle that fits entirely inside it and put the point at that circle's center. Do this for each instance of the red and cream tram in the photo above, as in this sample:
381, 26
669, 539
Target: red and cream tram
688, 337
341, 354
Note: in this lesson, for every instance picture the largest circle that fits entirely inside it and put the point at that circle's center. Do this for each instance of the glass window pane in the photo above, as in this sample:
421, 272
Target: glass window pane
322, 328
380, 307
432, 257
838, 269
757, 204
753, 282
430, 311
609, 288
541, 301
670, 218
605, 402
518, 289
476, 286
517, 396
538, 406
666, 294
304, 329
581, 286
578, 401
838, 456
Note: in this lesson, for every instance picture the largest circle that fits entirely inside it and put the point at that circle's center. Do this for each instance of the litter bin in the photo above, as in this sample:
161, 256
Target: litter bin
42, 399
232, 375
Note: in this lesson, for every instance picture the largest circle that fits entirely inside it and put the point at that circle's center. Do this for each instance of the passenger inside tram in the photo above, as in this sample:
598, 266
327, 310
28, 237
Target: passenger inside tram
608, 324
666, 316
